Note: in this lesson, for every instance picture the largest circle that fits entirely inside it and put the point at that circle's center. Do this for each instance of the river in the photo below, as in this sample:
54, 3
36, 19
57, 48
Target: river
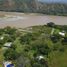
21, 20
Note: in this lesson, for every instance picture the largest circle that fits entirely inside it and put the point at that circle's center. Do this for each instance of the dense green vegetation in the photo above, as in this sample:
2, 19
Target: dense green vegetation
28, 46
33, 6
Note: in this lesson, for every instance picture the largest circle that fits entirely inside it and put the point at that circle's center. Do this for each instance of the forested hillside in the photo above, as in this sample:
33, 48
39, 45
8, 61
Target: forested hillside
33, 6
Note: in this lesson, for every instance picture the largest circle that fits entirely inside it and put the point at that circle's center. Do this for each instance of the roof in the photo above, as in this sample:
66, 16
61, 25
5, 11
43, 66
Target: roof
8, 64
8, 44
62, 33
40, 57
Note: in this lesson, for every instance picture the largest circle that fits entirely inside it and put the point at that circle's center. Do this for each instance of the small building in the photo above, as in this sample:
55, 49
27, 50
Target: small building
62, 33
8, 44
8, 64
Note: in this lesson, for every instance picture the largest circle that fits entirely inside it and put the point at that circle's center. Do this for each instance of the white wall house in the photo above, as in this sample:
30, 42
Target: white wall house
62, 33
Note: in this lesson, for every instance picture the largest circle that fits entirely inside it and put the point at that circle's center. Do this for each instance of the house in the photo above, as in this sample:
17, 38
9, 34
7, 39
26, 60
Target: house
8, 64
62, 33
8, 44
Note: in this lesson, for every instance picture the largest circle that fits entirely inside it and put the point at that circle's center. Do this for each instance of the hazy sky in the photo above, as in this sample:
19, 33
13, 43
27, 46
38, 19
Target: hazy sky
65, 1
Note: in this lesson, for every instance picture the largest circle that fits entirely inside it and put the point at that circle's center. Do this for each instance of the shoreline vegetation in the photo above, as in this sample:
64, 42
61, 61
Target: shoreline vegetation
38, 13
35, 46
30, 13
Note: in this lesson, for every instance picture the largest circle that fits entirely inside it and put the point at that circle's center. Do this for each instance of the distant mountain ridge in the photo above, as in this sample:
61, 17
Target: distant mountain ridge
33, 6
53, 1
17, 5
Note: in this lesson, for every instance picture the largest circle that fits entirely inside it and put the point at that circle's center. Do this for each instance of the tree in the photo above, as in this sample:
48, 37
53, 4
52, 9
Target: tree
36, 65
39, 63
10, 54
51, 24
13, 46
1, 31
22, 62
8, 39
26, 39
40, 47
9, 30
1, 43
64, 41
55, 38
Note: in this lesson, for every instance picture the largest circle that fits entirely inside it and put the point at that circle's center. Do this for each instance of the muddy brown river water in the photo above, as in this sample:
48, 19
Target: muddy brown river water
21, 20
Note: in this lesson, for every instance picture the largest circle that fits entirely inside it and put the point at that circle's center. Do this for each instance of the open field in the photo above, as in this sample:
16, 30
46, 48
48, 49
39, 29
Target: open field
21, 20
